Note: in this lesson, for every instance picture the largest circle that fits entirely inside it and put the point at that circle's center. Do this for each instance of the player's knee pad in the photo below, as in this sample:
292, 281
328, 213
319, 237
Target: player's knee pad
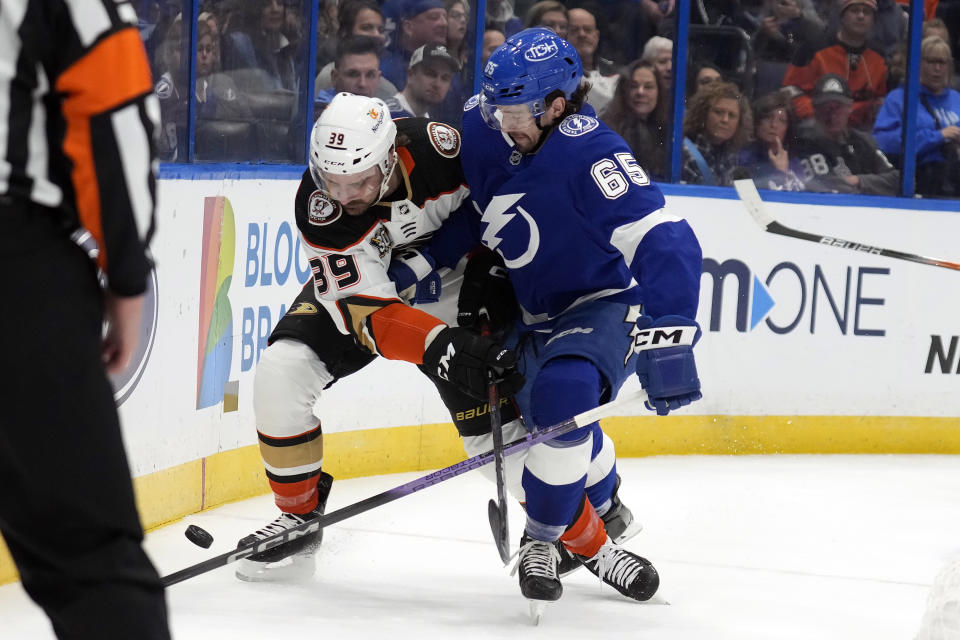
558, 462
512, 465
286, 385
602, 472
563, 388
553, 481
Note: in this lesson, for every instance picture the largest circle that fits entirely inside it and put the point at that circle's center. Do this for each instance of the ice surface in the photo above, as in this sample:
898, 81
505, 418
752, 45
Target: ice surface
748, 547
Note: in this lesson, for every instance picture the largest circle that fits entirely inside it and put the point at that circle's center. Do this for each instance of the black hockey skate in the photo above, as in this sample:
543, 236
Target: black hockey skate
626, 572
538, 569
293, 560
539, 583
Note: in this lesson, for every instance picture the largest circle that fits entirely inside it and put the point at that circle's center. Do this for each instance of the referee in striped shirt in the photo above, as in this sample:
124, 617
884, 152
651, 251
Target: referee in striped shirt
76, 167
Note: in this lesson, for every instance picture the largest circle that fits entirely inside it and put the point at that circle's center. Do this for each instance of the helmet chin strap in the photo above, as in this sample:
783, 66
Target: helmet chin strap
544, 131
385, 185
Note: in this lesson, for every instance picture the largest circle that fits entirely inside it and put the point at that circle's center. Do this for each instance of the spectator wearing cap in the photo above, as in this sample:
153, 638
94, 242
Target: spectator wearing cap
938, 123
890, 25
848, 56
428, 80
422, 22
584, 34
836, 157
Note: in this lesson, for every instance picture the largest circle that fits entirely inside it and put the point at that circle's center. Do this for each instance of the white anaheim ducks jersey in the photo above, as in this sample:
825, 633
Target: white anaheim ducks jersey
349, 255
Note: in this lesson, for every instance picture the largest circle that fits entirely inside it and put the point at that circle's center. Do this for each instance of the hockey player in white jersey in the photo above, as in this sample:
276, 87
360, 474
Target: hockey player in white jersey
607, 281
374, 189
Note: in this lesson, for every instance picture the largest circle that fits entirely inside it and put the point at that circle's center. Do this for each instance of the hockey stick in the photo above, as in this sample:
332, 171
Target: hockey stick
497, 510
390, 495
751, 199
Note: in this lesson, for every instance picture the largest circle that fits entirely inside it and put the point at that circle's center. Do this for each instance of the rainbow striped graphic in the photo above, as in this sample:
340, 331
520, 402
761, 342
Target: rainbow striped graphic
215, 334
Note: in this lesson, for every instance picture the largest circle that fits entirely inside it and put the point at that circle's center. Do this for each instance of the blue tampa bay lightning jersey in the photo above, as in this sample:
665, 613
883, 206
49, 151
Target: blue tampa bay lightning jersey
576, 221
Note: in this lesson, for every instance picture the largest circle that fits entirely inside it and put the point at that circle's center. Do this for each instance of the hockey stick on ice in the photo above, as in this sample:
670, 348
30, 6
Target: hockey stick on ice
497, 510
311, 526
751, 199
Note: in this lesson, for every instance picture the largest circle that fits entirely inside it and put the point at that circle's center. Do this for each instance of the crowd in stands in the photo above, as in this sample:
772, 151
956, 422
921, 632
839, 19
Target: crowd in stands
796, 94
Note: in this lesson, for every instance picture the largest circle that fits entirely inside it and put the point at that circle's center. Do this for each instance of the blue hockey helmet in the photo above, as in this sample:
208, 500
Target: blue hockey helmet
525, 69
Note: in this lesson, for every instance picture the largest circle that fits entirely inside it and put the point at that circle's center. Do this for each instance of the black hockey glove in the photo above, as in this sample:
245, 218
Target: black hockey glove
466, 360
486, 294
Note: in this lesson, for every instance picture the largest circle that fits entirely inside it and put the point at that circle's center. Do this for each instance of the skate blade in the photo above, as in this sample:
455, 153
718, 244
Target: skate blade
635, 527
292, 569
537, 608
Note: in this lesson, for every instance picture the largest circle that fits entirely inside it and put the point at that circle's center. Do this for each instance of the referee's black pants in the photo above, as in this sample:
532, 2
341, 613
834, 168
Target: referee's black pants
67, 509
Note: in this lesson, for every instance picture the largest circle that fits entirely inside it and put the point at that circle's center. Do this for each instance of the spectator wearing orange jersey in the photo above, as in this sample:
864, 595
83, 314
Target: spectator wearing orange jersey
847, 56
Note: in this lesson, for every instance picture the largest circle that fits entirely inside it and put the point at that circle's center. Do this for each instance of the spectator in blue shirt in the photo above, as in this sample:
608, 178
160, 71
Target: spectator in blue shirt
767, 157
938, 123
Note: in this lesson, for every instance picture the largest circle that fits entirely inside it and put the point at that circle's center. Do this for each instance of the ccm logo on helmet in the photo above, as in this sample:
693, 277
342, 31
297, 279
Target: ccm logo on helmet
542, 51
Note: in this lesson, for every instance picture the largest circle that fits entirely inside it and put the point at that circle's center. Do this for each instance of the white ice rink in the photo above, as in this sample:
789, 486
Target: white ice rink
748, 547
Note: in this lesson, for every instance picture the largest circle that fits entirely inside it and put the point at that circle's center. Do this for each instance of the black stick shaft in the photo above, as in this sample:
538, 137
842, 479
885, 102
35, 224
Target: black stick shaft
748, 193
779, 229
501, 530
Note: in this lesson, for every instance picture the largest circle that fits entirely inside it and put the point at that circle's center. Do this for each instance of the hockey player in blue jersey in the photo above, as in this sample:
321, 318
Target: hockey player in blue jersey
607, 282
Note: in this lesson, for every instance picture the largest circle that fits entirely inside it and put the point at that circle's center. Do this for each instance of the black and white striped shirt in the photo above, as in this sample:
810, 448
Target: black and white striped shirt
77, 116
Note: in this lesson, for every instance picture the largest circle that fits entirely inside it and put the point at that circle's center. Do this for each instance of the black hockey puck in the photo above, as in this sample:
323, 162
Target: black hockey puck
198, 536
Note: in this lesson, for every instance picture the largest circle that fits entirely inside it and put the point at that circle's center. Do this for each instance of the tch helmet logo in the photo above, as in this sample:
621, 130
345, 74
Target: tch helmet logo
540, 52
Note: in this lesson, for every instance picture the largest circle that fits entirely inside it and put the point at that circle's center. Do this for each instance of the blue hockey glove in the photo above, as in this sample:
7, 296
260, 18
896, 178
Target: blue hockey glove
417, 282
665, 363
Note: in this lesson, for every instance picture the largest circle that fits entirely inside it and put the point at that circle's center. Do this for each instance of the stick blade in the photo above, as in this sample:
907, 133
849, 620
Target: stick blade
498, 526
750, 197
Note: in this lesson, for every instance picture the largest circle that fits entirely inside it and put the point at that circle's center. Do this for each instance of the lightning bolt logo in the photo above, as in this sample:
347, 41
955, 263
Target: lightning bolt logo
496, 218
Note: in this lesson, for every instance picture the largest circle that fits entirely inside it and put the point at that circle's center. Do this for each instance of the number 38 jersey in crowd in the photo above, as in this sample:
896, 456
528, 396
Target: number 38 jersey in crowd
349, 255
576, 221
